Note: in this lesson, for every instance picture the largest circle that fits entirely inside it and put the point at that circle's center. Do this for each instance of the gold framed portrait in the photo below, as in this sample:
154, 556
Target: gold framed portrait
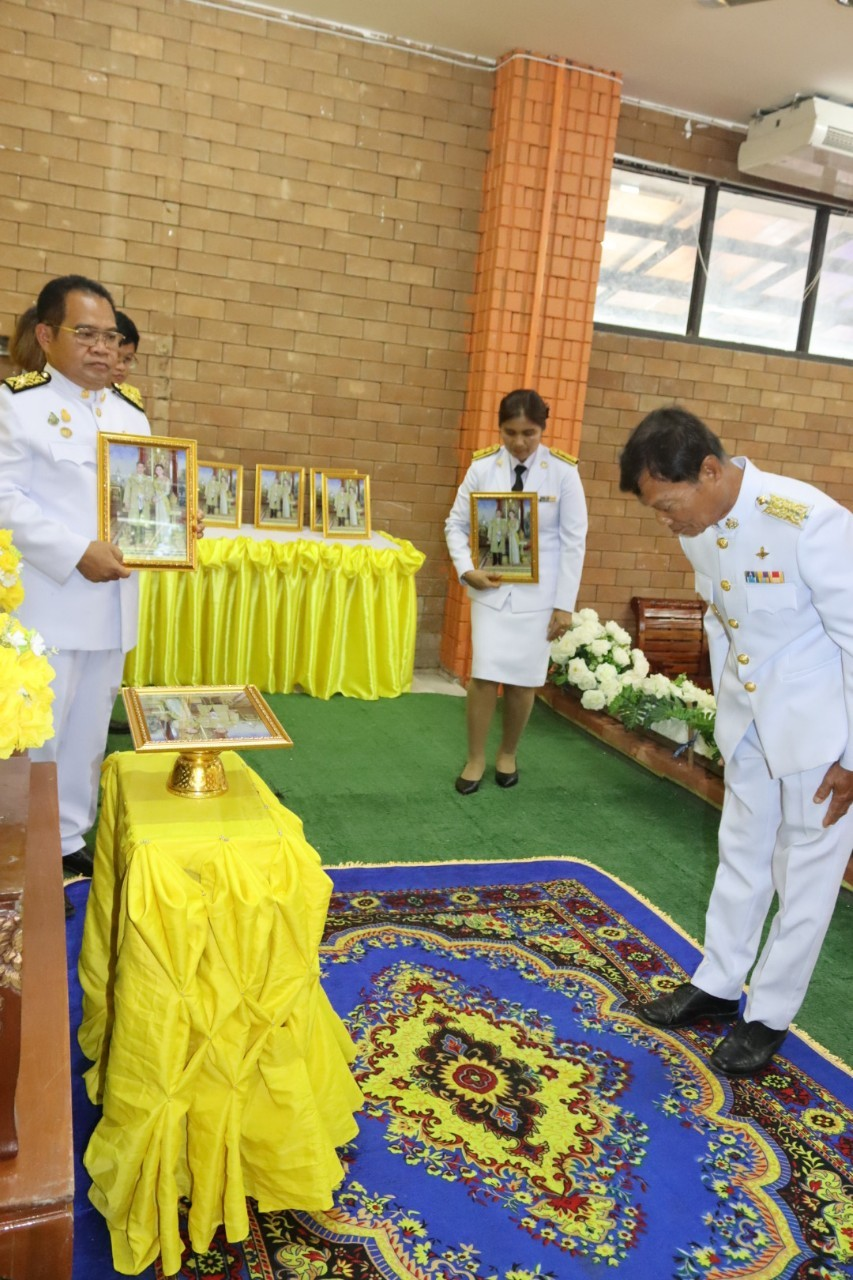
505, 535
346, 505
279, 496
220, 494
204, 718
148, 493
315, 504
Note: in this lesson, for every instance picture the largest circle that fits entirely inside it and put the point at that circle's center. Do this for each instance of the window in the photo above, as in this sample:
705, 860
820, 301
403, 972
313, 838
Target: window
694, 258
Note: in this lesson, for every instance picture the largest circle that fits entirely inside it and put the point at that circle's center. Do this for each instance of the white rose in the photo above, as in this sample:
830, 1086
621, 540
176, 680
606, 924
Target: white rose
580, 674
621, 655
619, 634
593, 700
600, 648
640, 662
587, 615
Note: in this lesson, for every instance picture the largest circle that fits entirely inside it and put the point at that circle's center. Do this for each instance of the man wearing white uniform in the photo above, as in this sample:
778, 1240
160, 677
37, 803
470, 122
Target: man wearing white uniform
774, 563
79, 594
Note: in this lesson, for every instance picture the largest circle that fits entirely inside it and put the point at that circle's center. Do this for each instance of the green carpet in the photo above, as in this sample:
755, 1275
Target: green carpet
373, 782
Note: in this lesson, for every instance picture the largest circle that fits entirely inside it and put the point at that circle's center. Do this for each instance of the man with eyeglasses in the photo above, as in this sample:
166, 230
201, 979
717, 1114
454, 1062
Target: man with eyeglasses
79, 594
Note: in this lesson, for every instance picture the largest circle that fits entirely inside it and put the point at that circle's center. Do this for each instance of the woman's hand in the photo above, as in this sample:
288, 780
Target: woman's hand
482, 581
560, 623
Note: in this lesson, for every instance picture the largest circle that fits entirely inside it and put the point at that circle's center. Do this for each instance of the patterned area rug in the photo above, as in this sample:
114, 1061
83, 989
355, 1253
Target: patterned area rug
521, 1123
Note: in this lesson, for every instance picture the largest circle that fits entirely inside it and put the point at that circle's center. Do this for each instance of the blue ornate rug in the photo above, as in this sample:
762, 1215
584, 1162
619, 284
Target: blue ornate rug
520, 1122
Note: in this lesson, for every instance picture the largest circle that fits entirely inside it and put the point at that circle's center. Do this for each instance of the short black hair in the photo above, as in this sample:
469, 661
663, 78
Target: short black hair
669, 444
127, 329
523, 404
50, 304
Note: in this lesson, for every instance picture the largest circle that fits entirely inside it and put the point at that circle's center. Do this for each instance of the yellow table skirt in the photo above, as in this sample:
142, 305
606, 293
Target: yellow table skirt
329, 617
221, 1067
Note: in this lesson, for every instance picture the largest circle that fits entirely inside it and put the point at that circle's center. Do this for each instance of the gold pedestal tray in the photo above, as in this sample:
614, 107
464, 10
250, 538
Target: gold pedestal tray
198, 773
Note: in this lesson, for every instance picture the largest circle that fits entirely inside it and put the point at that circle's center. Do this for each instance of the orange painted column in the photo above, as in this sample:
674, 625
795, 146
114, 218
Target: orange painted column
545, 202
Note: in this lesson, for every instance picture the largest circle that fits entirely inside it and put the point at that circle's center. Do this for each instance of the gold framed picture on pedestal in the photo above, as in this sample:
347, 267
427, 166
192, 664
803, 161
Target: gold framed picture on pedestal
279, 495
148, 492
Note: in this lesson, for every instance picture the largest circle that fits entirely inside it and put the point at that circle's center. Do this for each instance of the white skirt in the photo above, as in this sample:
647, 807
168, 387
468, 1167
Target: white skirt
510, 648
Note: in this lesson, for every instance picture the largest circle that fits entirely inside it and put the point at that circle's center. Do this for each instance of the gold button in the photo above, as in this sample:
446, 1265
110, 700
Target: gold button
726, 585
743, 659
722, 542
750, 686
731, 523
733, 622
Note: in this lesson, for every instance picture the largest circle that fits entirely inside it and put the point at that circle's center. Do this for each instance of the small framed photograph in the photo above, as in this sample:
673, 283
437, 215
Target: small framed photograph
346, 505
279, 493
220, 494
505, 535
206, 718
315, 513
148, 499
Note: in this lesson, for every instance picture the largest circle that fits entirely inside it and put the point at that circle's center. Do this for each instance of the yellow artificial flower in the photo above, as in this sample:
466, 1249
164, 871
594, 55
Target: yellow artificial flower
26, 718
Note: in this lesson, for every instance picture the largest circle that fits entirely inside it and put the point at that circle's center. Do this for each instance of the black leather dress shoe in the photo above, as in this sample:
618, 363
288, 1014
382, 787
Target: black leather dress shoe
467, 786
684, 1005
747, 1048
78, 863
506, 779
119, 726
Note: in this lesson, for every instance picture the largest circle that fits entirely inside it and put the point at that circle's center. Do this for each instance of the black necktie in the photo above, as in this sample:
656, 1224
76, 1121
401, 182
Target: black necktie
519, 482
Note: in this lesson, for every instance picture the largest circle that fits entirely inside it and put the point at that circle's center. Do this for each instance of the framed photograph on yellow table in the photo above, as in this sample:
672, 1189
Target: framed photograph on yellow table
315, 510
148, 493
505, 535
220, 494
279, 494
346, 505
207, 717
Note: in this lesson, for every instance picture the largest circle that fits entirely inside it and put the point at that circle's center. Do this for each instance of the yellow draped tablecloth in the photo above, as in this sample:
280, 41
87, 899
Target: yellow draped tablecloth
222, 1069
328, 616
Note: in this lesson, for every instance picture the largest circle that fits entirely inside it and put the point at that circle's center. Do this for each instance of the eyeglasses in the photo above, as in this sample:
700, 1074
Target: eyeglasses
89, 337
127, 363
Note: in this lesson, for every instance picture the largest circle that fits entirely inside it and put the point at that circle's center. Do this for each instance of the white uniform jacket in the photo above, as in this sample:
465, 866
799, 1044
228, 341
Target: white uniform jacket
562, 521
777, 574
49, 500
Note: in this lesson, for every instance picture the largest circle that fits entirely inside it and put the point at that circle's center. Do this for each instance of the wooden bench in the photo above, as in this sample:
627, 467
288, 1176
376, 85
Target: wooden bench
671, 635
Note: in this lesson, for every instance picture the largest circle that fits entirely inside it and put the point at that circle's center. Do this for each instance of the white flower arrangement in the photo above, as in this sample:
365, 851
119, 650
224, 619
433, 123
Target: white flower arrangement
597, 658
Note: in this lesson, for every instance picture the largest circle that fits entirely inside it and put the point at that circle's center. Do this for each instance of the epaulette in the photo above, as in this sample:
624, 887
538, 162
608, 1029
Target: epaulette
26, 381
566, 457
486, 453
129, 393
773, 504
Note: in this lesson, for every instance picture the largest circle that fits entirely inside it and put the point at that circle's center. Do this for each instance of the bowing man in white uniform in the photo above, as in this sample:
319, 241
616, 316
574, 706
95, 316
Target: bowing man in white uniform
79, 595
774, 562
513, 624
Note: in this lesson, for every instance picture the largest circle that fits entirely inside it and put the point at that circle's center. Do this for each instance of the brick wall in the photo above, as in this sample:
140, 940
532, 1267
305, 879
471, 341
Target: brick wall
787, 414
290, 217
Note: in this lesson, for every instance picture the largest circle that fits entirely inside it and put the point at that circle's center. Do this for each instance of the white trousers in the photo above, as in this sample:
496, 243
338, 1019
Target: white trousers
85, 689
771, 838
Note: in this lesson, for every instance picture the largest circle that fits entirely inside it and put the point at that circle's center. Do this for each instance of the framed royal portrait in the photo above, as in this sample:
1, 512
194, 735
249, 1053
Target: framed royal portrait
148, 491
346, 505
220, 494
505, 535
315, 512
203, 718
279, 495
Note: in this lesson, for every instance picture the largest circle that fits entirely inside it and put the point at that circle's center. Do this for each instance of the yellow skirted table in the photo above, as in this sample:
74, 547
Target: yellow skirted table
222, 1069
295, 610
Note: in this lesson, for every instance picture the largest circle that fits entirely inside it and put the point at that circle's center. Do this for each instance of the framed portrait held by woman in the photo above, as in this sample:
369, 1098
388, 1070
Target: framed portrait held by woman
220, 494
346, 505
148, 499
505, 535
279, 495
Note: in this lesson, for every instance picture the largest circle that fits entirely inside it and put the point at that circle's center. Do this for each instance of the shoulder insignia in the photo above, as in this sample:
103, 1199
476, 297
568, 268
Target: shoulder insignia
26, 381
486, 453
129, 393
566, 457
773, 504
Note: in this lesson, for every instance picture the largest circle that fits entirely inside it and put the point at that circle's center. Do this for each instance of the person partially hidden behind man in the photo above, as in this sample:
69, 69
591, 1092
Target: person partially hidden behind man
774, 563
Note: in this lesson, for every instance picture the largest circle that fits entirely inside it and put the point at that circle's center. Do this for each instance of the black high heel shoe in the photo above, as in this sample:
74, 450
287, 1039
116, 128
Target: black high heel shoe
467, 786
506, 779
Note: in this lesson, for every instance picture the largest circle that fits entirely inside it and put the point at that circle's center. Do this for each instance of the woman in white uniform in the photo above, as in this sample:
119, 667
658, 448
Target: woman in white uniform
514, 623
